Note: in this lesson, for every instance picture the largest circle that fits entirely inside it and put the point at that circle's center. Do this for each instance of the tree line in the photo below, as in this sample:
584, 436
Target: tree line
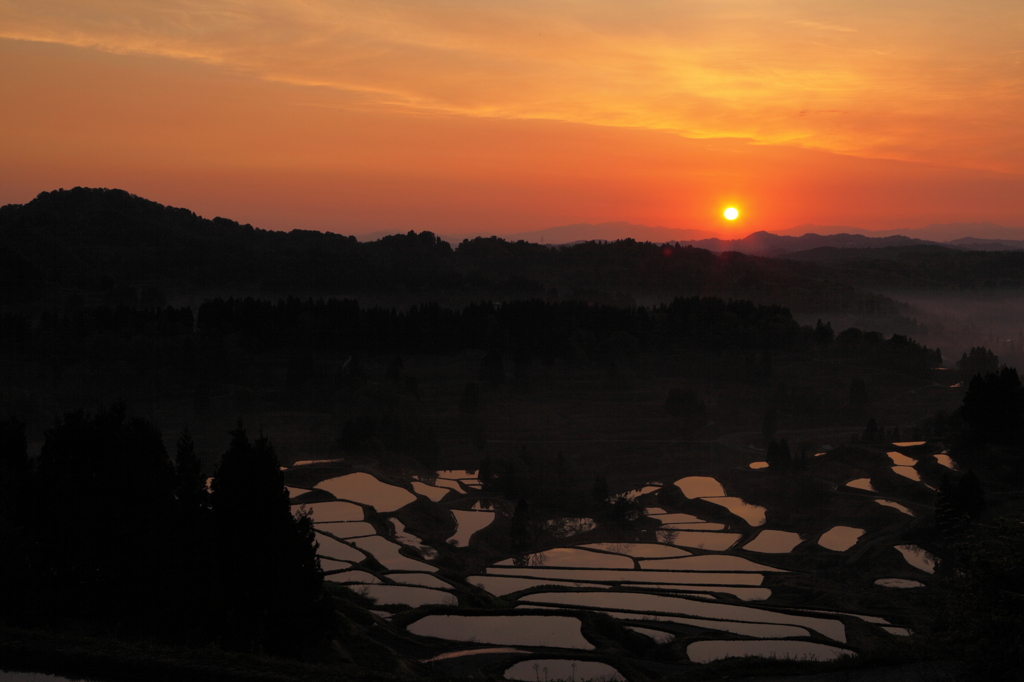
105, 528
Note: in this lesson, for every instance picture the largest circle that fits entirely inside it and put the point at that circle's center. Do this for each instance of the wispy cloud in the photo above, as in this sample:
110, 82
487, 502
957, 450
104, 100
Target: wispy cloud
924, 81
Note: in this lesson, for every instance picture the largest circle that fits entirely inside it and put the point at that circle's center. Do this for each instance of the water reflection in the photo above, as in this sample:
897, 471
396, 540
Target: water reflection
898, 582
335, 549
639, 550
895, 505
705, 652
410, 540
840, 538
861, 484
946, 461
918, 558
388, 554
774, 542
751, 513
908, 472
409, 596
331, 512
469, 522
900, 459
346, 529
584, 575
558, 631
431, 492
365, 489
700, 486
716, 542
561, 669
708, 562
500, 585
759, 465
575, 558
657, 604
659, 636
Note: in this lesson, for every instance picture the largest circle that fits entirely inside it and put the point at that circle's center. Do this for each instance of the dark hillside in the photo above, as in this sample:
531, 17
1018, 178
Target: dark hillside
108, 245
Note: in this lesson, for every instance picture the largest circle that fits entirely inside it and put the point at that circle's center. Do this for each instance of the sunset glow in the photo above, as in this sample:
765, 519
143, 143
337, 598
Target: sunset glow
731, 213
501, 117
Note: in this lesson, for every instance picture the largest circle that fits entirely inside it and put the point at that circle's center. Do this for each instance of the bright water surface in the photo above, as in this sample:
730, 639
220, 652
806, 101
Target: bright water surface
716, 542
365, 489
840, 538
549, 670
705, 652
895, 505
918, 558
575, 558
331, 512
774, 542
468, 523
900, 459
558, 631
651, 603
898, 582
387, 553
700, 486
639, 550
751, 513
861, 484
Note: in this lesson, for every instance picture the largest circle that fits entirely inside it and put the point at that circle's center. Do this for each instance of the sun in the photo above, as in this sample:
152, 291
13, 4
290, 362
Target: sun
731, 213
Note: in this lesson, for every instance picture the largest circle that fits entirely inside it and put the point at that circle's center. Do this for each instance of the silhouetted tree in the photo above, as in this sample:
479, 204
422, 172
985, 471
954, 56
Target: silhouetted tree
270, 577
993, 408
979, 360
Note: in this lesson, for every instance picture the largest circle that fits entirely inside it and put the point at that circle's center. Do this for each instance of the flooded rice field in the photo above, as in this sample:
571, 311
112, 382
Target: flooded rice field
774, 542
562, 669
898, 582
346, 529
469, 522
861, 484
639, 550
606, 576
680, 579
918, 558
900, 459
365, 489
333, 512
659, 604
695, 487
388, 554
572, 557
895, 505
705, 652
408, 596
907, 472
840, 538
718, 542
557, 631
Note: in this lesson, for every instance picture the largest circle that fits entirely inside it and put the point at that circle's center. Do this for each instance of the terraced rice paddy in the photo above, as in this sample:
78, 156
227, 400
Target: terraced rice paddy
469, 522
705, 652
562, 669
365, 489
690, 581
840, 538
918, 558
559, 631
895, 505
774, 542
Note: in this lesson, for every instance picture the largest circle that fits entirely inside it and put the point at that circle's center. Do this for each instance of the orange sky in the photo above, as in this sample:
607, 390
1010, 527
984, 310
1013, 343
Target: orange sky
499, 117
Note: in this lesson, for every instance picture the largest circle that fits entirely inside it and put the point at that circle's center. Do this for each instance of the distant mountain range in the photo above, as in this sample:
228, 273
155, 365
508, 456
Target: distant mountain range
969, 236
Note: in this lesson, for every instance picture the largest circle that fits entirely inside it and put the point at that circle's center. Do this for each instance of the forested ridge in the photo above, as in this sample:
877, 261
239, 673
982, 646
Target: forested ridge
102, 244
